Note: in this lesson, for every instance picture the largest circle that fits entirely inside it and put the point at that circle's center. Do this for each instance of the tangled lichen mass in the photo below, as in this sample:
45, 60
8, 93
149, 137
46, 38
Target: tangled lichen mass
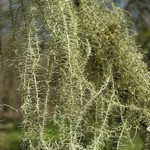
89, 70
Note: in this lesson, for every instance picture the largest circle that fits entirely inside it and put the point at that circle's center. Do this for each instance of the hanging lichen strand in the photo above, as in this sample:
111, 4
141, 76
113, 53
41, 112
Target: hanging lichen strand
35, 76
90, 71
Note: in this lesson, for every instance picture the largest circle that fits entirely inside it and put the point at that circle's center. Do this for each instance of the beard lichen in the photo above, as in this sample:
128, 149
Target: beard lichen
90, 71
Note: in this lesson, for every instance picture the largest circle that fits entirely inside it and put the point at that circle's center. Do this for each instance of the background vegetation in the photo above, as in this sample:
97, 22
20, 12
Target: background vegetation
79, 74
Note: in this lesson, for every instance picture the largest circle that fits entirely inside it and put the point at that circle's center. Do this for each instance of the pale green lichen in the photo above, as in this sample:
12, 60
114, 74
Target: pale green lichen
91, 72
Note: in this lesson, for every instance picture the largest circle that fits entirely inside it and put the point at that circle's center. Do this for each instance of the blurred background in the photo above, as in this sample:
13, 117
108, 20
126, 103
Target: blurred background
10, 103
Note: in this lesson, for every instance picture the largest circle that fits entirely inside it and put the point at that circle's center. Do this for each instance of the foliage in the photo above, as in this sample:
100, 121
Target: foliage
140, 10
